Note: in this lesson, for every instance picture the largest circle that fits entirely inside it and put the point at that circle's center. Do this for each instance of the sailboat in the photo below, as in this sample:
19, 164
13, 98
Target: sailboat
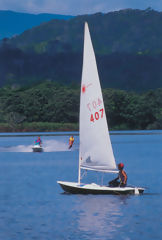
95, 149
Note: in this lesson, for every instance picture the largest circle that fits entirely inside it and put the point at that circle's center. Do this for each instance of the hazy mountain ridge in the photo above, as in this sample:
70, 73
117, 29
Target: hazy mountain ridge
13, 23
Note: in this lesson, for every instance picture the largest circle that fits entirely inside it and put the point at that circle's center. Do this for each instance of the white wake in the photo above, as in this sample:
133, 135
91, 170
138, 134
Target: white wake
48, 146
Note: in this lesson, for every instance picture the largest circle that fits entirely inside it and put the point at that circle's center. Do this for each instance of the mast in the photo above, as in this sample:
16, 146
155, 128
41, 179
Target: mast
79, 167
79, 171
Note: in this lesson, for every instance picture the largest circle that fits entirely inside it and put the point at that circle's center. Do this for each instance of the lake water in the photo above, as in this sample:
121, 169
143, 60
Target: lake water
33, 206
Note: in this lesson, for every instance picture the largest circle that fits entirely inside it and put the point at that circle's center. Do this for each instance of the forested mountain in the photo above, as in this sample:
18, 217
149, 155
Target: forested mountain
127, 43
128, 31
13, 23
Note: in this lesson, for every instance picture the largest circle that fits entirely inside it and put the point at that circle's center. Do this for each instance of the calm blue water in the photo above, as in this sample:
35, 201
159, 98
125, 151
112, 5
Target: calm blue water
32, 205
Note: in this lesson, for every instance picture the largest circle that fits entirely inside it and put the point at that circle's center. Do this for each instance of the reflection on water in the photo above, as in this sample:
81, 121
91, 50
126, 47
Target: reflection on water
100, 215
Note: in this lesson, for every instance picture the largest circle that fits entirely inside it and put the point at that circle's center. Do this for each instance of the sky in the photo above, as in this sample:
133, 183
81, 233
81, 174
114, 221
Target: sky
76, 7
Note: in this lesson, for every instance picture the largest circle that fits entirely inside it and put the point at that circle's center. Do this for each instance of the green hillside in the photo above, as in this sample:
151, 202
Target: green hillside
128, 31
127, 43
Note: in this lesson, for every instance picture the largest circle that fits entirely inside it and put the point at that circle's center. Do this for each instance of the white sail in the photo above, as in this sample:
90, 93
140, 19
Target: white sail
95, 146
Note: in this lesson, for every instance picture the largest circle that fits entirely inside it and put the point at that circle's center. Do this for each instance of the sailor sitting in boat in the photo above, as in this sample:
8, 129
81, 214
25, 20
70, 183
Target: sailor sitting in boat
121, 180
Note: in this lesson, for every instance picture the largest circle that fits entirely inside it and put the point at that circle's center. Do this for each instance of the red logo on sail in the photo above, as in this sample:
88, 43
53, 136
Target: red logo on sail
84, 87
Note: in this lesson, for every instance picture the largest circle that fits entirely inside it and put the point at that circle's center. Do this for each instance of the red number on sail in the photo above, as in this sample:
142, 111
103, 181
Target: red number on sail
96, 115
92, 118
101, 110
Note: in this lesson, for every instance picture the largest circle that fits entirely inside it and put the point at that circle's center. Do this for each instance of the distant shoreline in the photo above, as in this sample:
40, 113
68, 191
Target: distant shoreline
38, 127
54, 129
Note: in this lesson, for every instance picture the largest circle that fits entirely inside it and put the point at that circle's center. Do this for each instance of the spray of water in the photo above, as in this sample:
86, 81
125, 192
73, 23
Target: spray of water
54, 146
48, 146
19, 148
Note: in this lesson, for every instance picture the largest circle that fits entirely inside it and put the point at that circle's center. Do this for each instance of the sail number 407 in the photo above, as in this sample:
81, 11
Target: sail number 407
97, 115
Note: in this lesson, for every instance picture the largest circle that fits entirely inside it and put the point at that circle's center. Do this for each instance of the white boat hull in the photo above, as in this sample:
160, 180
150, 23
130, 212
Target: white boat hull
37, 149
76, 188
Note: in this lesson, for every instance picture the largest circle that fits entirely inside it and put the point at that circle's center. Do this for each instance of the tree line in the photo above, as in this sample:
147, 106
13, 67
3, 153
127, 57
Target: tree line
50, 106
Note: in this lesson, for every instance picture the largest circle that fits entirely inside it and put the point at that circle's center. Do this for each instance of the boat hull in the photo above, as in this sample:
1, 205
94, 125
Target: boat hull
75, 188
37, 149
